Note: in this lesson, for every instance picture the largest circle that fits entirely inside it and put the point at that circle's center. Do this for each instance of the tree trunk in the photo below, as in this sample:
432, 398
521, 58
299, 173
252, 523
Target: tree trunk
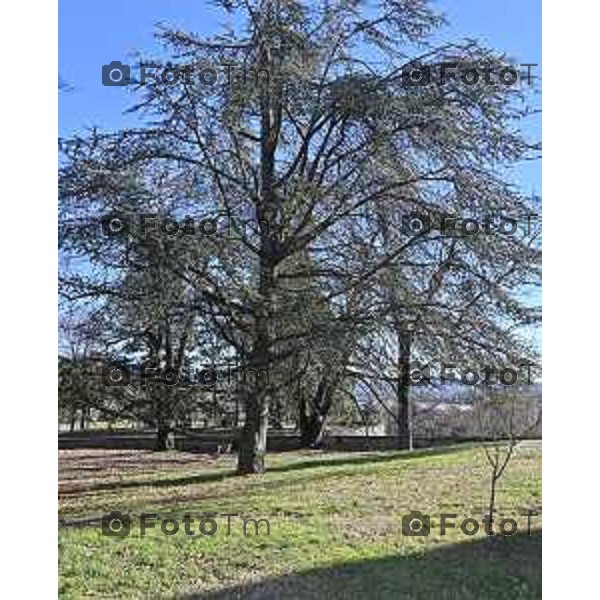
312, 426
492, 504
312, 434
276, 413
404, 417
253, 441
236, 418
165, 439
302, 416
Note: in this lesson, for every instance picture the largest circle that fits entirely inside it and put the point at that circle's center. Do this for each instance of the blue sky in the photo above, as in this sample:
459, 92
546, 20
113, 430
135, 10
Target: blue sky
95, 32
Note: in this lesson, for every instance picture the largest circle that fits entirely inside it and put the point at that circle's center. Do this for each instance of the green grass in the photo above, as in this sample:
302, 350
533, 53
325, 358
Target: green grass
335, 528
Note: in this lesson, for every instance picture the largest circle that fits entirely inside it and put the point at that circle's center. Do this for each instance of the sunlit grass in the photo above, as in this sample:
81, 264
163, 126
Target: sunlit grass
324, 510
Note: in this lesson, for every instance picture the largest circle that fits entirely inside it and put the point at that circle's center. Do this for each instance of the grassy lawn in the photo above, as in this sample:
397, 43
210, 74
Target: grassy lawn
335, 526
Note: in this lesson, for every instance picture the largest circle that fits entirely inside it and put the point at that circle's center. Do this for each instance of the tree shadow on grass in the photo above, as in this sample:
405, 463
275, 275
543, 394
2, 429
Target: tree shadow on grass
330, 461
77, 489
381, 456
485, 569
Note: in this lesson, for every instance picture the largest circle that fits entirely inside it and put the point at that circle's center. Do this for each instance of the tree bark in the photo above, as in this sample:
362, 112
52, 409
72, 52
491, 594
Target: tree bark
312, 425
276, 413
492, 504
165, 439
404, 417
253, 441
302, 416
164, 425
312, 434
